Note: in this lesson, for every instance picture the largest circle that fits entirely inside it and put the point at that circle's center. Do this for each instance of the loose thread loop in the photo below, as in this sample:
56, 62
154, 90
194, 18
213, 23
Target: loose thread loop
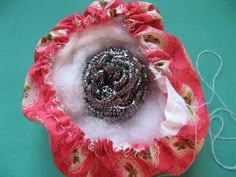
215, 113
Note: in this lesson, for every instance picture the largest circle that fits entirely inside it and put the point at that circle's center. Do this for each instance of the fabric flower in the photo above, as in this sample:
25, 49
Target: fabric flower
117, 94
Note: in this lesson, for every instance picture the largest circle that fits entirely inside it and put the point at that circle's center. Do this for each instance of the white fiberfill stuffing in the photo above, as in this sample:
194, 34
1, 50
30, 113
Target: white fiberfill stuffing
66, 78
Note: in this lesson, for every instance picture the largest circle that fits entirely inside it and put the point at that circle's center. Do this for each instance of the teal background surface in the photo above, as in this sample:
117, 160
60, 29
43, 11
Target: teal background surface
24, 146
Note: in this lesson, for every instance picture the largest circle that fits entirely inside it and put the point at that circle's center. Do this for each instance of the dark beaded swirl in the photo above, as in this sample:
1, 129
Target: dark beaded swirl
115, 85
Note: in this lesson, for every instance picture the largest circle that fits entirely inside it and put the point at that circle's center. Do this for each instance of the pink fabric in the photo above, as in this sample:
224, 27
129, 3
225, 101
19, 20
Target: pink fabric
76, 156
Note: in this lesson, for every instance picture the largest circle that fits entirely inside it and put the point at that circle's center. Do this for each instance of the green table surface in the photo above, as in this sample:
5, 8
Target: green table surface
201, 24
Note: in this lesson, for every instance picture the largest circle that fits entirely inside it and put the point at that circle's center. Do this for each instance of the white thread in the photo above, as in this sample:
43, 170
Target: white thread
215, 113
91, 147
61, 126
56, 118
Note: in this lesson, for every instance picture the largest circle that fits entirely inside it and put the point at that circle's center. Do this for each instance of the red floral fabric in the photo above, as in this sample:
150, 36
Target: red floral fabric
76, 156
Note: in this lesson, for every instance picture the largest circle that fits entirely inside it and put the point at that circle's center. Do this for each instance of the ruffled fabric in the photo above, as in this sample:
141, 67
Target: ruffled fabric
76, 156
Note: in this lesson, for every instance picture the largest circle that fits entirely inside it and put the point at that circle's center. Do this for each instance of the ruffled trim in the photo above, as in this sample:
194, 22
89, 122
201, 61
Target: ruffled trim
76, 156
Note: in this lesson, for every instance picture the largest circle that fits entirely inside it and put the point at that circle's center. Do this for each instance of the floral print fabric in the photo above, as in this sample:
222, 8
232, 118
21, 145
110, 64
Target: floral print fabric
76, 156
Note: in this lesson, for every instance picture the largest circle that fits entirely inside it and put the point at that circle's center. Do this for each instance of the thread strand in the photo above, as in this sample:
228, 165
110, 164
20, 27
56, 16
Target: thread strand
214, 115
